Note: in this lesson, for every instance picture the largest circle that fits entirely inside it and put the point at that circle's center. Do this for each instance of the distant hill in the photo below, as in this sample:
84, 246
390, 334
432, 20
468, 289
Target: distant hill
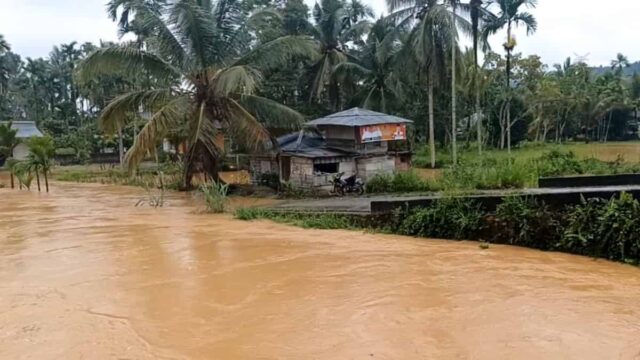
634, 68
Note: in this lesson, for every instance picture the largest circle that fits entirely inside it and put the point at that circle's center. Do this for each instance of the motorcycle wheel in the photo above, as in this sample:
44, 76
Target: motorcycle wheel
360, 190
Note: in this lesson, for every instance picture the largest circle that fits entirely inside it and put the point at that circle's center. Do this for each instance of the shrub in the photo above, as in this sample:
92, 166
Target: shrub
400, 182
607, 229
556, 163
580, 234
450, 218
215, 196
526, 222
490, 173
379, 184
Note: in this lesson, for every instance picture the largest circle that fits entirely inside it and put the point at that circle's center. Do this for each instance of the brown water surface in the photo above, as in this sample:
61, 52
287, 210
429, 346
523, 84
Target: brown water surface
84, 274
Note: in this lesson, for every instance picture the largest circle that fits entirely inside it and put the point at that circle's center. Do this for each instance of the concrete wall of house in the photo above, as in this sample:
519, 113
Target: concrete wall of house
338, 132
259, 166
21, 152
348, 167
403, 162
381, 147
301, 172
340, 137
372, 166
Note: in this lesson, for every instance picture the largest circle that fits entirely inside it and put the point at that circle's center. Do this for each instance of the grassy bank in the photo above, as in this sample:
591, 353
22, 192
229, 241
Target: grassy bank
595, 228
628, 152
147, 176
497, 170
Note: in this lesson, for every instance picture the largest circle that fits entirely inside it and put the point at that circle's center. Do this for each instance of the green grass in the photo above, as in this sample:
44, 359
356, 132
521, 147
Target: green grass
145, 177
498, 170
307, 221
628, 150
215, 196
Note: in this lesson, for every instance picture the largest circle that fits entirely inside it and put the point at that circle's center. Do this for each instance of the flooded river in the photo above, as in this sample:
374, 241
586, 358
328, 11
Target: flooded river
84, 274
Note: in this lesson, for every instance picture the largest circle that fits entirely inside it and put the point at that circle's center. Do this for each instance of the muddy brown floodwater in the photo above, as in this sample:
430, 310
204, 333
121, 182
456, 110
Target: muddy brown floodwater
84, 274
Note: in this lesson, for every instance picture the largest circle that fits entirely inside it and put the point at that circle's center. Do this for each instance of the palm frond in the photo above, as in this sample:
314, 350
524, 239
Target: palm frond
528, 20
116, 115
395, 5
247, 129
258, 17
163, 39
123, 59
197, 29
236, 79
170, 116
356, 32
350, 68
270, 113
277, 53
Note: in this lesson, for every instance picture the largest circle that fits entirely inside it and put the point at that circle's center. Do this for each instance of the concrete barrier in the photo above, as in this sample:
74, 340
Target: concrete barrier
589, 181
552, 197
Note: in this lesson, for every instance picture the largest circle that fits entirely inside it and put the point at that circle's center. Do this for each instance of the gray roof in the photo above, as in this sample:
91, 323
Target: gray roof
358, 117
310, 145
26, 129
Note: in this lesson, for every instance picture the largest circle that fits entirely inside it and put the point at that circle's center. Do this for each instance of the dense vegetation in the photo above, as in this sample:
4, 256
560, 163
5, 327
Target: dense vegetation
494, 171
249, 70
596, 227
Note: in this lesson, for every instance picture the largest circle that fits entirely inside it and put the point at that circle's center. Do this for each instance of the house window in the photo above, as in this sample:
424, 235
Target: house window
330, 168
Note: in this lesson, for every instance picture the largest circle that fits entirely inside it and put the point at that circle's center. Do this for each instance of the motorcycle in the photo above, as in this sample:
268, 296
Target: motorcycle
352, 184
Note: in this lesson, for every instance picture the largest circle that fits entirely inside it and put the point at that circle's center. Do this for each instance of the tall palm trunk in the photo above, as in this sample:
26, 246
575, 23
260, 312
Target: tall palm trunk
46, 180
120, 146
432, 136
38, 179
13, 185
477, 105
606, 133
476, 83
454, 122
509, 87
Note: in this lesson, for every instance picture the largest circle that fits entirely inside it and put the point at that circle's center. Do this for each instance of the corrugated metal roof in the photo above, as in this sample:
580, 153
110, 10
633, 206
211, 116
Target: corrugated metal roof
26, 129
306, 144
358, 117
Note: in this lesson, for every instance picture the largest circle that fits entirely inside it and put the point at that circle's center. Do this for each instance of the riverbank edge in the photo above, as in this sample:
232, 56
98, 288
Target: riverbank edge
596, 228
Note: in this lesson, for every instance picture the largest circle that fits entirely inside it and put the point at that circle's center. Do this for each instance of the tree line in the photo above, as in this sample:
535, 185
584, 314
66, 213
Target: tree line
252, 69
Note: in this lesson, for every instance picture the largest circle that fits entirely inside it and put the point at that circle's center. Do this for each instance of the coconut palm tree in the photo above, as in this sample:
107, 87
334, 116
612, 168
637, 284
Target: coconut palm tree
375, 70
8, 142
23, 172
4, 45
40, 158
205, 78
478, 15
336, 23
124, 12
429, 41
619, 64
4, 70
510, 15
454, 4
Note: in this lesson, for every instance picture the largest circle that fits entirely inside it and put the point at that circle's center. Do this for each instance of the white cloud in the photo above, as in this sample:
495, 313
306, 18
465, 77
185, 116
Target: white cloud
33, 27
566, 27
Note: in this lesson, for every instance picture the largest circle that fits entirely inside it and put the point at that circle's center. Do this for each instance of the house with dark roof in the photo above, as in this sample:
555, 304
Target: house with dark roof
26, 130
354, 142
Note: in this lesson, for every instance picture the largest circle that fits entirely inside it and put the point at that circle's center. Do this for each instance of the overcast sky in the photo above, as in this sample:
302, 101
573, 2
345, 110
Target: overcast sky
566, 27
